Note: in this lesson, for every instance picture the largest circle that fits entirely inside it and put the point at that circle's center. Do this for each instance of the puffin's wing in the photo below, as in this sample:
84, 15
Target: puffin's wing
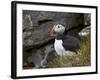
71, 43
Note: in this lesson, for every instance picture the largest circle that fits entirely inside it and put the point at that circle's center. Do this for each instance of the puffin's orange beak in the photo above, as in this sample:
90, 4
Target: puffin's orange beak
51, 32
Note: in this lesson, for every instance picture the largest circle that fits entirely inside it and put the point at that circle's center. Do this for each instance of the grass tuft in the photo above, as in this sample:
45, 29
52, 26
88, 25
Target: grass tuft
78, 60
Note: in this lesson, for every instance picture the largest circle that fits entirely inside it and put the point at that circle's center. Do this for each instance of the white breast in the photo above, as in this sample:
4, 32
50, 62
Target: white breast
60, 49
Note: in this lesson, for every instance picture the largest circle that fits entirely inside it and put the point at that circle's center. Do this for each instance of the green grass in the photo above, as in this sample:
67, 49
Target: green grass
78, 60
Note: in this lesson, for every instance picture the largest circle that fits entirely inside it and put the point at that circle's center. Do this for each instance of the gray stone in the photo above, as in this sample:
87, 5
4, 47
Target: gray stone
37, 59
36, 24
87, 19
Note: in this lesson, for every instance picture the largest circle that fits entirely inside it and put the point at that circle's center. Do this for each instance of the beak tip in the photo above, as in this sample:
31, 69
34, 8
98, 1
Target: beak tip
51, 32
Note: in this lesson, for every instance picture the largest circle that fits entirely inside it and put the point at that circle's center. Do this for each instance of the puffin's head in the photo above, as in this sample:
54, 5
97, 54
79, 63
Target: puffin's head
56, 30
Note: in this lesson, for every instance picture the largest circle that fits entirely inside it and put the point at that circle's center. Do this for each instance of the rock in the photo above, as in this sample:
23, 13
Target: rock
37, 58
44, 63
87, 19
36, 24
85, 31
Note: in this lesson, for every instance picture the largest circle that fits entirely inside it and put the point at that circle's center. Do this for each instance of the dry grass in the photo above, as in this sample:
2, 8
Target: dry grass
78, 60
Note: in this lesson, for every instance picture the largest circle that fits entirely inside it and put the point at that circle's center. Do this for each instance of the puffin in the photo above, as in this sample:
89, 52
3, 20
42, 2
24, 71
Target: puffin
64, 44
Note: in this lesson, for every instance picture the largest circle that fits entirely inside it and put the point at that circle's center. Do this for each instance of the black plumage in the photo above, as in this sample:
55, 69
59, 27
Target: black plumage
70, 43
63, 41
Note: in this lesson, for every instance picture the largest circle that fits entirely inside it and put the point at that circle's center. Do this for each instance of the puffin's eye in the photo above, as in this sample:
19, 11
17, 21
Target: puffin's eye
58, 26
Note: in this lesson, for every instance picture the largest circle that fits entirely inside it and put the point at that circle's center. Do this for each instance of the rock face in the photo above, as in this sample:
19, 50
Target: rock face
87, 19
36, 24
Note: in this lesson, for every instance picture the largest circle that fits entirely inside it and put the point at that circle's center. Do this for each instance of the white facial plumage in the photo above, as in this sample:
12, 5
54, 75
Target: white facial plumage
59, 28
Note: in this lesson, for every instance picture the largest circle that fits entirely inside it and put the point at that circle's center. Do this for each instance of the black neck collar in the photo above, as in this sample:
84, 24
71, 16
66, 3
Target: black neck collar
59, 37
